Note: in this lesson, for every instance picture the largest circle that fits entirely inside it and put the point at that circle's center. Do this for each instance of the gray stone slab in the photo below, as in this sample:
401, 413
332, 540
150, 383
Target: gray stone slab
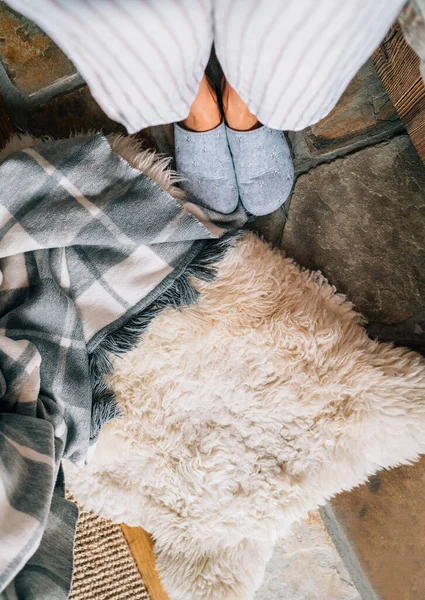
32, 60
362, 117
361, 221
73, 112
270, 227
383, 523
306, 566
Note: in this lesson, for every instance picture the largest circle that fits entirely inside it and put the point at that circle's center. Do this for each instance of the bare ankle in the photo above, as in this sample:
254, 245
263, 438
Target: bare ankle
204, 113
236, 112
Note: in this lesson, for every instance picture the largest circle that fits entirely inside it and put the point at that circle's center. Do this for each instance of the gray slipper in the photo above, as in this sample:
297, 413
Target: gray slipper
205, 162
263, 166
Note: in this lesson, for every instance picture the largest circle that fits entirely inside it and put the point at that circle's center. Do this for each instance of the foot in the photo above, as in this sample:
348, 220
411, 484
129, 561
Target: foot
236, 112
263, 167
204, 113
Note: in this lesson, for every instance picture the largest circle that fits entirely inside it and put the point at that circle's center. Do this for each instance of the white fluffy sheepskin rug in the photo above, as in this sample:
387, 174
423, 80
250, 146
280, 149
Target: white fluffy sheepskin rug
242, 413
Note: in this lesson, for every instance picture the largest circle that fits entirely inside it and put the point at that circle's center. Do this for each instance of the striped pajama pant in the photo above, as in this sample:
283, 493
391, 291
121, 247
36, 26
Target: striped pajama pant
289, 60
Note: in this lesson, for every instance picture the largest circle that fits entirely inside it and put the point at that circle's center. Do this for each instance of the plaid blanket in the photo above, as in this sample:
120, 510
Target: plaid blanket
90, 251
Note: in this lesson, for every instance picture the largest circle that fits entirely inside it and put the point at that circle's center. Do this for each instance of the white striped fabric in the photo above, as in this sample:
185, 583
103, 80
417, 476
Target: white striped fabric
290, 60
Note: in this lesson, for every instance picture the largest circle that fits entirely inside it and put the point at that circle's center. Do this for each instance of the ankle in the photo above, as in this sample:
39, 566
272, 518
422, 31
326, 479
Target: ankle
200, 122
236, 112
204, 113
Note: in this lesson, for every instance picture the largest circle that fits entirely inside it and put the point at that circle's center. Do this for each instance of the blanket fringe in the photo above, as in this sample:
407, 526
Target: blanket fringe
181, 293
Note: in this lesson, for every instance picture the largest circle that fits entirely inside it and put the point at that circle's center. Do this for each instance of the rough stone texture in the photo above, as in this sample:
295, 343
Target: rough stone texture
385, 523
6, 127
363, 106
363, 116
306, 566
78, 112
270, 227
361, 221
30, 58
71, 113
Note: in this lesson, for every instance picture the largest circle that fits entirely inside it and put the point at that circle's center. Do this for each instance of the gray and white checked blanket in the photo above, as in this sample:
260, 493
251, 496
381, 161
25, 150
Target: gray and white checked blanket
90, 251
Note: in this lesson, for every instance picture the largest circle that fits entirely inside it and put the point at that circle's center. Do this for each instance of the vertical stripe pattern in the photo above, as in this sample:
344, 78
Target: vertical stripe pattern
290, 60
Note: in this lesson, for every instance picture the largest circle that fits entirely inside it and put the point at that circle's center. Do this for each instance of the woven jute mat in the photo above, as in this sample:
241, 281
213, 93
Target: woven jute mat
104, 566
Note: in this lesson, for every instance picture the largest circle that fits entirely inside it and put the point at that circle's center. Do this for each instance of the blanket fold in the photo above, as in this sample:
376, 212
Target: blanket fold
90, 250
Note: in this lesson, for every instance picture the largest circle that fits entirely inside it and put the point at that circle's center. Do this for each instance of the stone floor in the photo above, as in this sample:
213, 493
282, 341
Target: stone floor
307, 566
358, 214
361, 220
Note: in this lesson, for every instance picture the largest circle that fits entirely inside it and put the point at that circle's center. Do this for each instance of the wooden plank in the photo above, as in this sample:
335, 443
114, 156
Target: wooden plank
399, 68
141, 546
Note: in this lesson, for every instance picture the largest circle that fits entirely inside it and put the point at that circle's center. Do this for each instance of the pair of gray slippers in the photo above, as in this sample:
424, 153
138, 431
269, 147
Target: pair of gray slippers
223, 165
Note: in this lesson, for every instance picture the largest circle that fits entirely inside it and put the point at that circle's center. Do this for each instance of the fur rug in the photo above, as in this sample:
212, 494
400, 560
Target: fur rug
242, 413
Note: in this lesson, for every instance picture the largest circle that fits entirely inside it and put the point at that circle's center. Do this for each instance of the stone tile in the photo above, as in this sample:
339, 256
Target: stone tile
361, 221
385, 524
306, 566
364, 106
71, 113
6, 127
363, 116
164, 138
270, 227
30, 58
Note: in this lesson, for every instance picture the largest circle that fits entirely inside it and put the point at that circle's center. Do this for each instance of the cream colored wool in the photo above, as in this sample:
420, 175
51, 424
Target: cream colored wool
243, 412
